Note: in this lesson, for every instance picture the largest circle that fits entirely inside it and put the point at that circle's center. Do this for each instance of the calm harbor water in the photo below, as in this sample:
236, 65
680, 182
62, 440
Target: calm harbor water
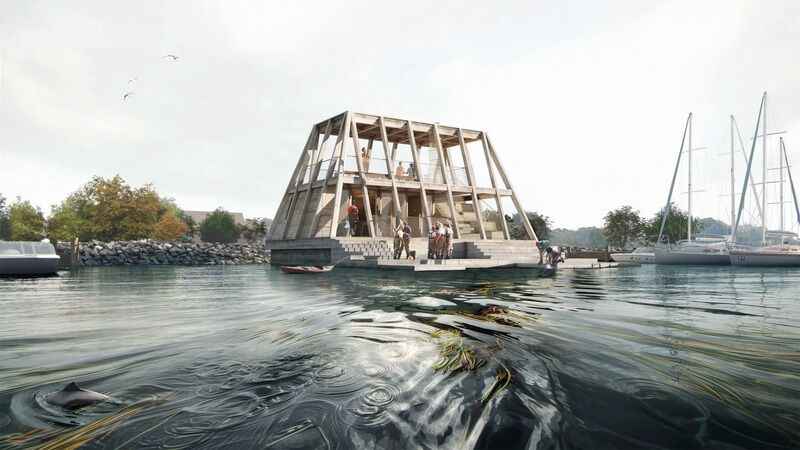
248, 357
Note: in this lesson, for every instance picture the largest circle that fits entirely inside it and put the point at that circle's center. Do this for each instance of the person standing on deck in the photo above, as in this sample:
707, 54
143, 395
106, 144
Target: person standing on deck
352, 217
432, 243
398, 242
448, 241
399, 172
406, 237
365, 159
411, 173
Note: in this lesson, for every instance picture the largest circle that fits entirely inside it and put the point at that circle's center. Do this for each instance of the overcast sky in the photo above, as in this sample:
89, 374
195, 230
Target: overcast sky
585, 101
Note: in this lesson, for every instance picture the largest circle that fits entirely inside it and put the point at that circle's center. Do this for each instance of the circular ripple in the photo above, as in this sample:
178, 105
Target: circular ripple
369, 408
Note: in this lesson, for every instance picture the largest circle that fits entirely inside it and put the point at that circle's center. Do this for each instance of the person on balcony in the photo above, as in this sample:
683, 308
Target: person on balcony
352, 217
399, 172
411, 173
365, 159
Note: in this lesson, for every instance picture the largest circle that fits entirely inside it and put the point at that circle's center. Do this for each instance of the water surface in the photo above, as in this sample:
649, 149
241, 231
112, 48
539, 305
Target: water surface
248, 357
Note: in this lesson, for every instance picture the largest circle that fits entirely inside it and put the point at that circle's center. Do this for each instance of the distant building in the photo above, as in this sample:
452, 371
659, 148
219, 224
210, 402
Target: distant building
200, 216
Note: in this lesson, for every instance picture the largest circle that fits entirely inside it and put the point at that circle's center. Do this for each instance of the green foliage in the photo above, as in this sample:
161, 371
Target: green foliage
255, 229
622, 226
27, 221
541, 226
591, 237
219, 226
676, 226
169, 228
65, 224
5, 226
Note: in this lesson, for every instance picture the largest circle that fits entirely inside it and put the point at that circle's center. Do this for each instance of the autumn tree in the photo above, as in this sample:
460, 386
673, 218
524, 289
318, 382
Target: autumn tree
26, 221
219, 226
168, 205
622, 225
169, 228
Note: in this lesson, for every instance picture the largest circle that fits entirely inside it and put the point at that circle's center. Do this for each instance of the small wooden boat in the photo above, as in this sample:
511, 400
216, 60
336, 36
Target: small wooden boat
306, 269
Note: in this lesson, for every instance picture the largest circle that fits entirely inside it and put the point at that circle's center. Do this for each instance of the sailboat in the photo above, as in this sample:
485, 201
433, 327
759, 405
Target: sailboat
778, 248
702, 250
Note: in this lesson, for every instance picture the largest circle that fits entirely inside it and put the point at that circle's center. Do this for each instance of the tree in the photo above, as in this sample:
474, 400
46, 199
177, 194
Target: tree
541, 225
622, 225
169, 228
676, 226
255, 229
27, 221
5, 227
66, 224
168, 205
219, 226
119, 212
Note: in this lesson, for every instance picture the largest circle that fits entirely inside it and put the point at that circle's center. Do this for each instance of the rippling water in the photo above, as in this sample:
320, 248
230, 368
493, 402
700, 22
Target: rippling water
248, 357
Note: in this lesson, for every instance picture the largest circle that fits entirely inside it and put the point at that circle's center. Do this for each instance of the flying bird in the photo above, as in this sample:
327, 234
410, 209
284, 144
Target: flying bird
125, 97
133, 79
174, 58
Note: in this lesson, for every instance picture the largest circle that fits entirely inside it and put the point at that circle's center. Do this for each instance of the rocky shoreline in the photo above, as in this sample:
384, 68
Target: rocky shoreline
153, 253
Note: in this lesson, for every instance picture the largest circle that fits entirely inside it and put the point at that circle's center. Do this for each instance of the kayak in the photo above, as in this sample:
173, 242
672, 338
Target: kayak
306, 269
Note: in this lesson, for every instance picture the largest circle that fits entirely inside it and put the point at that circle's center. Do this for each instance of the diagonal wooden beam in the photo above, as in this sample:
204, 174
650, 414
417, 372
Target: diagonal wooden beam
500, 211
337, 199
299, 174
390, 168
450, 203
520, 210
422, 195
471, 180
313, 173
363, 176
328, 175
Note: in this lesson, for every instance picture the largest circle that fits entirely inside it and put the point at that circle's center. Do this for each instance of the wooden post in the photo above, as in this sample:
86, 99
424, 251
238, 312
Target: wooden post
390, 168
363, 176
471, 180
412, 141
437, 141
73, 257
494, 185
520, 210
344, 133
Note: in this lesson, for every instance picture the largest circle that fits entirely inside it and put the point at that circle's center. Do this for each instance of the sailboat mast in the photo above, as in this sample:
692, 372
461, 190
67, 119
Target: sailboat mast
780, 184
791, 181
672, 185
749, 166
733, 181
689, 223
764, 174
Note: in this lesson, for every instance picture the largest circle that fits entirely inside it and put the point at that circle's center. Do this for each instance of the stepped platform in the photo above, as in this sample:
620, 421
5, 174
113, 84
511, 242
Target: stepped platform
378, 253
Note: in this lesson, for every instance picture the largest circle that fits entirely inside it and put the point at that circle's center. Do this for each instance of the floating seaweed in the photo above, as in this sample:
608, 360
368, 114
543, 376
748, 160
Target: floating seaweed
484, 288
454, 354
497, 314
502, 380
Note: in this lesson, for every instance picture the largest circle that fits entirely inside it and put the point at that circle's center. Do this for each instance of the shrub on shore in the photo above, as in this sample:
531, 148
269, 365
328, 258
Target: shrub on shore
26, 221
219, 226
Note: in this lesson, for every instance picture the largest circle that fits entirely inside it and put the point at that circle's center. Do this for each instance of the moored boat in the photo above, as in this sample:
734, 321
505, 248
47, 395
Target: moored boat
24, 258
641, 255
700, 251
306, 269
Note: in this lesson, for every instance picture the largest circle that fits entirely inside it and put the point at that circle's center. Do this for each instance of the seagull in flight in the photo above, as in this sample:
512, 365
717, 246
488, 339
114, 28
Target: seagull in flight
174, 58
125, 97
133, 79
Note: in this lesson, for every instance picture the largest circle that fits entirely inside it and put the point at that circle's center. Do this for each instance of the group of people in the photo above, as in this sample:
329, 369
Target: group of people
440, 241
402, 173
548, 254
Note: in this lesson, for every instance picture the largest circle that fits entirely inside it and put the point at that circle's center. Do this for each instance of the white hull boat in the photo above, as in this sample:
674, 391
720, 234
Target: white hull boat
715, 254
20, 258
642, 255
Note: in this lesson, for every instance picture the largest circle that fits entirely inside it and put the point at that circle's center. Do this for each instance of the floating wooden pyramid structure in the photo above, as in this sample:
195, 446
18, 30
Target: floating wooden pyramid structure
396, 169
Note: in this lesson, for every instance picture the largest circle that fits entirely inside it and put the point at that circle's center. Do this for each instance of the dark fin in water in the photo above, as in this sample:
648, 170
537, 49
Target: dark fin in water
73, 396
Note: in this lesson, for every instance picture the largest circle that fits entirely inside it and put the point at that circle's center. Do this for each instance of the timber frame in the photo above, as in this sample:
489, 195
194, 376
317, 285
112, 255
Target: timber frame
337, 166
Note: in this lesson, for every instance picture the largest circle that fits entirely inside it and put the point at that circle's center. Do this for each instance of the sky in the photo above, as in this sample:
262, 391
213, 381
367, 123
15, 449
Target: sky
585, 101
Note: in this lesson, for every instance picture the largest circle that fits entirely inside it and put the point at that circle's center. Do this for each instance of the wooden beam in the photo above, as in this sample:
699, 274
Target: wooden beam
298, 178
363, 175
520, 210
390, 167
318, 152
422, 195
500, 211
450, 203
344, 133
324, 187
471, 180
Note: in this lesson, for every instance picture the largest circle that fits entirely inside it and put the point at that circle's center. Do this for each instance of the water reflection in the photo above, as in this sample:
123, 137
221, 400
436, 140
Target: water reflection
248, 357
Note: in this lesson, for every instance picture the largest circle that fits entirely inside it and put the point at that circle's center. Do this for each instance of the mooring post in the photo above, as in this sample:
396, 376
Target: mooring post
73, 257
